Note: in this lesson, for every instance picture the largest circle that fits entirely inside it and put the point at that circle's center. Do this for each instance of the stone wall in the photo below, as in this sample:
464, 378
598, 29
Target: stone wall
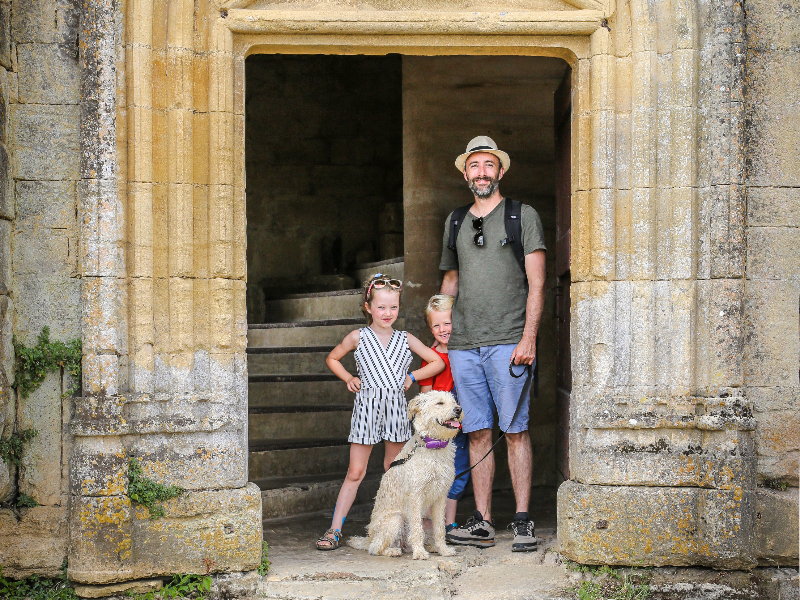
324, 154
42, 132
448, 100
772, 286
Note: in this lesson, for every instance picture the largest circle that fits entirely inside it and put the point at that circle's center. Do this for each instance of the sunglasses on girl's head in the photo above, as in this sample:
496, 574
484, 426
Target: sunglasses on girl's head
478, 224
382, 282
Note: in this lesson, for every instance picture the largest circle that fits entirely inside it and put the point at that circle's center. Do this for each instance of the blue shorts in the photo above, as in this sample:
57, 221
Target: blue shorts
462, 464
484, 386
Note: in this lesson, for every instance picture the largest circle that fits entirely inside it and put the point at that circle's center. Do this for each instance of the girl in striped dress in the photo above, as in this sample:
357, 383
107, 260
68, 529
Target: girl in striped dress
383, 356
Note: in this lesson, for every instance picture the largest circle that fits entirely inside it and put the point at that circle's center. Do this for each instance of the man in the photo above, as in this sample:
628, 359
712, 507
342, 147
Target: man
495, 321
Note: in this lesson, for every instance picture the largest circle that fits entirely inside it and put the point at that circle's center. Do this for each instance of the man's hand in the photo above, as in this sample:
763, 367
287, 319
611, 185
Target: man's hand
525, 352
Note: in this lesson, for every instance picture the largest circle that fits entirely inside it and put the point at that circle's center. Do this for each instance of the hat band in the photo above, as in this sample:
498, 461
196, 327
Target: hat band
476, 148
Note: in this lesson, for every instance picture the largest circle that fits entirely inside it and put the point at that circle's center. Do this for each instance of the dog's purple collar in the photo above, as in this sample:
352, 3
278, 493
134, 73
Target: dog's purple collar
434, 444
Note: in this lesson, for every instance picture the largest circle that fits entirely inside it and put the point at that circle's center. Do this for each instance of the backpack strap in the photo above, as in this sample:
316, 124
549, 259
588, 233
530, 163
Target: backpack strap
456, 220
513, 222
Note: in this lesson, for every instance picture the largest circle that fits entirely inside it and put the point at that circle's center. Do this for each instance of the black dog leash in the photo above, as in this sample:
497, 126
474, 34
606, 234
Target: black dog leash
516, 410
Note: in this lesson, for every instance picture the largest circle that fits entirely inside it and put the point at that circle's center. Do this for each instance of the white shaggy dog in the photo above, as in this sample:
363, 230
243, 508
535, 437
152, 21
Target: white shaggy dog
420, 481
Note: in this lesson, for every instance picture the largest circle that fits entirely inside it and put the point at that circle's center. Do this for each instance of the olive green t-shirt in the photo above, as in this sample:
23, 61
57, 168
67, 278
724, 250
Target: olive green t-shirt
492, 292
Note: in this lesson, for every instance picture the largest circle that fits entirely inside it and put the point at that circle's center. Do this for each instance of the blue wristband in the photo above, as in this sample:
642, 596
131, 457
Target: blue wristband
414, 379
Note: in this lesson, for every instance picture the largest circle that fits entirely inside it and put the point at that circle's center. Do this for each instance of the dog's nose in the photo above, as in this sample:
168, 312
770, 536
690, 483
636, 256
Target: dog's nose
458, 411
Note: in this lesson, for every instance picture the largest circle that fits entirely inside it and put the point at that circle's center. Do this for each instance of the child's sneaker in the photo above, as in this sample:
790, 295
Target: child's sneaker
524, 534
475, 532
449, 528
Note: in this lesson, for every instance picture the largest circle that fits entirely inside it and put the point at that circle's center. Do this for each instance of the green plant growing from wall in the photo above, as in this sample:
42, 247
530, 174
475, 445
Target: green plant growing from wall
33, 364
36, 588
11, 453
181, 586
11, 447
147, 492
776, 483
264, 566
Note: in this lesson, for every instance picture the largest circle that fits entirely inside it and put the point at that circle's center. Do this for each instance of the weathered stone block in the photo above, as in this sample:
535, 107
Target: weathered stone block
6, 185
5, 254
33, 540
46, 252
34, 21
224, 526
777, 527
778, 442
195, 460
46, 203
128, 588
773, 207
773, 253
771, 25
40, 472
99, 467
666, 457
52, 301
644, 526
48, 74
6, 344
5, 98
772, 351
5, 35
100, 539
45, 139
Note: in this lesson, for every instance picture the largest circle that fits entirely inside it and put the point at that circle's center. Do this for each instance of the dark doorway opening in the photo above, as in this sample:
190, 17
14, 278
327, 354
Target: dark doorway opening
350, 171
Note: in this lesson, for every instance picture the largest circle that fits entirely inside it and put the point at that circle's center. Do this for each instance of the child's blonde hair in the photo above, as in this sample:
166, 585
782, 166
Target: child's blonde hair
438, 303
369, 293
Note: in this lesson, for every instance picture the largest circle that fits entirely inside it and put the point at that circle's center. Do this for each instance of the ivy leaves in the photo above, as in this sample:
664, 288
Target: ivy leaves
33, 364
147, 492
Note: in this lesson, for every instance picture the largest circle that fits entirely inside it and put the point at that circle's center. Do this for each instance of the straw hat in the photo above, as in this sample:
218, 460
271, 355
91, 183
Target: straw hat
483, 143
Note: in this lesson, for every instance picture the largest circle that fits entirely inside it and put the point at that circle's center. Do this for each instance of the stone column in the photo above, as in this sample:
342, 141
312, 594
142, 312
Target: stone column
661, 435
163, 293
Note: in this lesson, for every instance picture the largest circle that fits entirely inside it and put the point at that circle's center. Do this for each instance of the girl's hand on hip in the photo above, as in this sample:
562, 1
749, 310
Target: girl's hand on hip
407, 383
354, 384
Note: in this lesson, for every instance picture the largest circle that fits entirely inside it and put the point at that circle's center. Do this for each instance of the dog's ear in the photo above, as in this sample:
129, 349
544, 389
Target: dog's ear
414, 406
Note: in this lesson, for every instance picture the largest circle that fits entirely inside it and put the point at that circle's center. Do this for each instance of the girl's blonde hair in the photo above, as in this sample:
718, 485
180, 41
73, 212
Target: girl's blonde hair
368, 294
438, 303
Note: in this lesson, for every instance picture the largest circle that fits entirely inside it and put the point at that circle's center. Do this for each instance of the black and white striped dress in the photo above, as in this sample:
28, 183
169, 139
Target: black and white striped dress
380, 411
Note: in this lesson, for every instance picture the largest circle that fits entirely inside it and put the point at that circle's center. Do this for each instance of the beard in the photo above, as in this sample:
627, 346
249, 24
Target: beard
486, 192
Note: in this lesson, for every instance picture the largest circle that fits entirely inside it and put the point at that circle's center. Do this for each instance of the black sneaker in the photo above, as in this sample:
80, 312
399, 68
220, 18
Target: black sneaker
475, 532
524, 535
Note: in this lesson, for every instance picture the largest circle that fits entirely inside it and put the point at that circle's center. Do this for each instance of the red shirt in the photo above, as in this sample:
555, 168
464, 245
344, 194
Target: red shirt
443, 382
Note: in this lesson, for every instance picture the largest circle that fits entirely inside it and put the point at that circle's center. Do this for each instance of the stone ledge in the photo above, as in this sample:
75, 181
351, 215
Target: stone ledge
141, 586
646, 526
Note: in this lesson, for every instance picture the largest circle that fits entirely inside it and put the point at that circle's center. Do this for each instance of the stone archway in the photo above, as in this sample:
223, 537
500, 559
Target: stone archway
656, 273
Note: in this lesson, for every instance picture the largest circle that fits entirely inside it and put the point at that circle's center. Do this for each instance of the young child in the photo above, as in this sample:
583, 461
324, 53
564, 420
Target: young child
383, 356
437, 313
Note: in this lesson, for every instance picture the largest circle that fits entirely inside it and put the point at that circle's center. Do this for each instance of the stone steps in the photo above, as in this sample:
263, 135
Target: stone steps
302, 333
394, 267
298, 391
299, 412
314, 494
311, 307
276, 460
293, 360
324, 423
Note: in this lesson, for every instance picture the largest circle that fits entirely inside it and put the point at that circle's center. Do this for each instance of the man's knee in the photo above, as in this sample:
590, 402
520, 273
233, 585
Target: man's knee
480, 437
518, 441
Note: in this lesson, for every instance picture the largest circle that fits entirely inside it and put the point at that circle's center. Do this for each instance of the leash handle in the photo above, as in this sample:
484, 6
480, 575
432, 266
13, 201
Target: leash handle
511, 372
514, 416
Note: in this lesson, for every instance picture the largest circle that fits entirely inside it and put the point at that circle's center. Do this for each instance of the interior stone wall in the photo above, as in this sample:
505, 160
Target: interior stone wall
39, 160
772, 286
448, 100
323, 146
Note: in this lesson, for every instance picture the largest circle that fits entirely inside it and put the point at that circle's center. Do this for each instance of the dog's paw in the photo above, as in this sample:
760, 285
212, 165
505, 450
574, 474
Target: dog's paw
392, 552
447, 551
421, 555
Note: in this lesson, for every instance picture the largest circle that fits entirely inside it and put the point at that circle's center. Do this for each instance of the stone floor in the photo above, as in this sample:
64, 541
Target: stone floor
298, 570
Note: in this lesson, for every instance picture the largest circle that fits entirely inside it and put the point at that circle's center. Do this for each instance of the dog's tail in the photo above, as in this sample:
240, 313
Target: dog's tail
358, 542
